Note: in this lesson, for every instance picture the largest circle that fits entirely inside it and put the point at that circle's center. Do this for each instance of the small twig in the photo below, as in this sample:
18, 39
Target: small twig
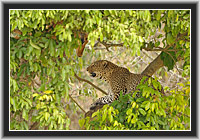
163, 49
148, 49
81, 79
99, 48
111, 45
77, 103
147, 55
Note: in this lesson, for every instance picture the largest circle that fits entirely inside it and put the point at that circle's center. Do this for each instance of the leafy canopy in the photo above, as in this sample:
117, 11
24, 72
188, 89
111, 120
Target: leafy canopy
43, 58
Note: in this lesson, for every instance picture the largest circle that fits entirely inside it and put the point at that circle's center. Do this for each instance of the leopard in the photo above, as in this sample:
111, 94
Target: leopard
119, 79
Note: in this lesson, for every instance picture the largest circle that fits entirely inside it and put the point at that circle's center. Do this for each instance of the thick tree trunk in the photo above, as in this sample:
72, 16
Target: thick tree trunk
153, 66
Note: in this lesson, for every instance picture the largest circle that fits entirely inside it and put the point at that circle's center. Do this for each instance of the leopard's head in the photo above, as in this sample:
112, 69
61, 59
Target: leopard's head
100, 69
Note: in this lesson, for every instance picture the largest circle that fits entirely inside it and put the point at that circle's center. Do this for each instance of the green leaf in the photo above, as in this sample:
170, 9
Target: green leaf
141, 39
14, 104
153, 107
19, 53
15, 86
101, 37
133, 104
134, 120
115, 123
69, 35
38, 53
142, 111
81, 122
33, 45
42, 87
168, 60
47, 44
187, 45
140, 99
52, 48
46, 115
59, 119
25, 114
106, 13
30, 49
92, 42
95, 113
157, 44
160, 122
58, 98
155, 84
55, 113
129, 118
170, 39
104, 115
152, 120
129, 111
147, 106
111, 118
145, 91
63, 74
158, 16
25, 125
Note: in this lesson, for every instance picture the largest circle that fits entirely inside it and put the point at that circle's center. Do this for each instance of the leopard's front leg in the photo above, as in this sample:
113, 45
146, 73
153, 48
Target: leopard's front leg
102, 101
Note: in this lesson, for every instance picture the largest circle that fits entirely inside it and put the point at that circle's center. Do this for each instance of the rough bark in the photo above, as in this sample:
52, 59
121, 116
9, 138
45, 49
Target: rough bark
153, 66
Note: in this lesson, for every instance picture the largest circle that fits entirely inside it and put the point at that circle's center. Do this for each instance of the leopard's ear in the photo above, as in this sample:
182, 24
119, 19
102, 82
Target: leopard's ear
105, 64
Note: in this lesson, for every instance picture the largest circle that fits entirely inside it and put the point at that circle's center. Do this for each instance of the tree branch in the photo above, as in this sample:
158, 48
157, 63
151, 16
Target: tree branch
162, 49
81, 79
153, 66
34, 126
110, 45
149, 49
76, 103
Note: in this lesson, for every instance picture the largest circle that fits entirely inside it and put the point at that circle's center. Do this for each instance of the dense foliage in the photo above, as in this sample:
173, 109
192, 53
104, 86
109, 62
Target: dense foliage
43, 61
148, 111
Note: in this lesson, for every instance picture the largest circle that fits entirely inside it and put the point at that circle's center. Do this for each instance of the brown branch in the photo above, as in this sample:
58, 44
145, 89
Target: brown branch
76, 103
34, 126
81, 47
149, 49
153, 66
90, 112
110, 45
163, 49
81, 79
